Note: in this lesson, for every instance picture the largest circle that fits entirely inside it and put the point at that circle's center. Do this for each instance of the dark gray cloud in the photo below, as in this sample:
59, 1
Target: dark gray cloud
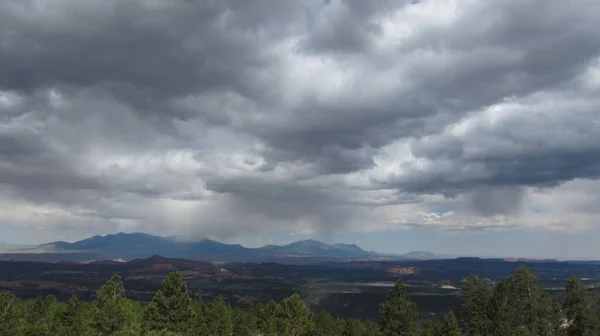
491, 200
533, 142
160, 50
228, 116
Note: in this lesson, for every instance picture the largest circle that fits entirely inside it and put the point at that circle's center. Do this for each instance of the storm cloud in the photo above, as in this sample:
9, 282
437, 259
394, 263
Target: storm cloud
217, 118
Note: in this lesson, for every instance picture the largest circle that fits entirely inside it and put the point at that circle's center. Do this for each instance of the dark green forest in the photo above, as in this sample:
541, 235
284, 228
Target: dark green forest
516, 306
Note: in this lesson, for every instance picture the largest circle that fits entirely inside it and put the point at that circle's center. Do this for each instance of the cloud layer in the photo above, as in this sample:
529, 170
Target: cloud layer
226, 117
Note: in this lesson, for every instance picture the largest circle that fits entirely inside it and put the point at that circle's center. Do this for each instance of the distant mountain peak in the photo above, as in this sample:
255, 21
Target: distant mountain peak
308, 242
314, 247
420, 255
348, 247
128, 246
344, 245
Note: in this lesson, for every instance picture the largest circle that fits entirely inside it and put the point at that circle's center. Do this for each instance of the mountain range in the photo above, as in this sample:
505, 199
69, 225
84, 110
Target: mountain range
128, 246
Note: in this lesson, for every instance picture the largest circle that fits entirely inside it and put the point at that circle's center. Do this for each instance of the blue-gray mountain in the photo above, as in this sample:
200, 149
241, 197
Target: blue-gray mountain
128, 246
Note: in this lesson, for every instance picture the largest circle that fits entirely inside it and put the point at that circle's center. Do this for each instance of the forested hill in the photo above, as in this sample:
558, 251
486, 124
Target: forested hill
515, 306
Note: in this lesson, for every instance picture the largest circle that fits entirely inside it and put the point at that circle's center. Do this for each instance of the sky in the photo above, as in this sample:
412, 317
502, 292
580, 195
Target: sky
453, 126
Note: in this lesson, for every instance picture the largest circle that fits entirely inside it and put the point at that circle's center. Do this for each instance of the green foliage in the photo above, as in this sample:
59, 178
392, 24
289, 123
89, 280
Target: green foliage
50, 300
36, 311
341, 325
594, 299
35, 318
54, 312
162, 333
398, 313
72, 319
198, 324
476, 308
10, 314
267, 318
353, 327
41, 319
430, 328
135, 314
372, 329
325, 325
110, 312
579, 314
218, 318
293, 317
171, 307
245, 322
450, 326
517, 306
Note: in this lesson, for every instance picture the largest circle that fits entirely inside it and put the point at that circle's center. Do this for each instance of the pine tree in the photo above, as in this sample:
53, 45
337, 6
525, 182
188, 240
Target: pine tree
372, 329
532, 302
398, 313
430, 328
199, 322
10, 314
353, 328
267, 318
325, 325
450, 326
503, 314
519, 306
476, 308
50, 300
135, 315
36, 311
72, 319
218, 318
577, 309
54, 311
35, 318
110, 310
244, 322
171, 307
293, 317
340, 325
595, 307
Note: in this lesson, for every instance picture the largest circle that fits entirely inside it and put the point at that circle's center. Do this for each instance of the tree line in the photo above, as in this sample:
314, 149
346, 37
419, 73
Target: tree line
516, 306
